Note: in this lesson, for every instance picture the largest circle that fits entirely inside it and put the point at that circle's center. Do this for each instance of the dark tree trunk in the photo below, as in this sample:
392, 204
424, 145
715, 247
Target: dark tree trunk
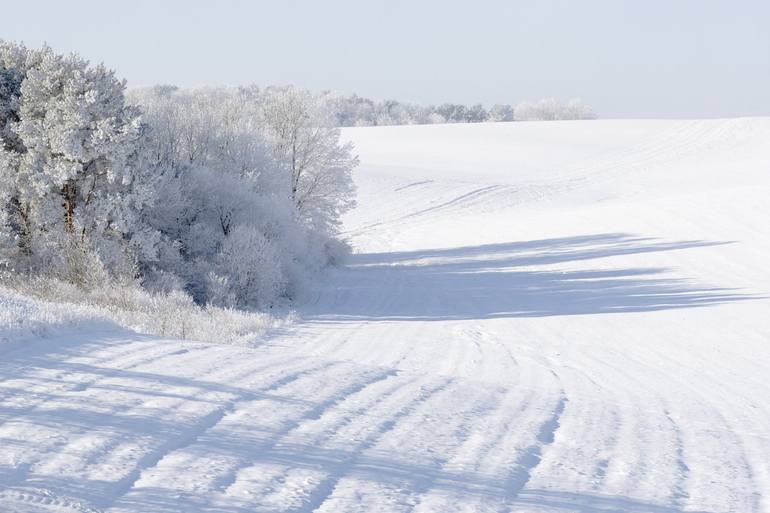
69, 193
21, 224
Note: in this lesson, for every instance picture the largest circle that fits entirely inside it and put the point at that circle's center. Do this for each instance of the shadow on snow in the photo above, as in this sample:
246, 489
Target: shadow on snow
498, 280
128, 419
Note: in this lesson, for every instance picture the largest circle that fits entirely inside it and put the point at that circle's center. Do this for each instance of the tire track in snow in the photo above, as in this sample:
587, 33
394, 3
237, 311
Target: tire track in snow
679, 493
152, 459
325, 489
471, 474
191, 435
477, 475
79, 386
225, 485
394, 471
129, 409
414, 184
462, 198
130, 358
630, 454
718, 459
531, 456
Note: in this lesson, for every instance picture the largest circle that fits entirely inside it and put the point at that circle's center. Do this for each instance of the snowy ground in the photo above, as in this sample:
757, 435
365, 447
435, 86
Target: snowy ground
567, 316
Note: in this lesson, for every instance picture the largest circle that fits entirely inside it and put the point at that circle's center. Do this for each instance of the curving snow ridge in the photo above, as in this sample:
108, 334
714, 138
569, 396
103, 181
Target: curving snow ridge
548, 317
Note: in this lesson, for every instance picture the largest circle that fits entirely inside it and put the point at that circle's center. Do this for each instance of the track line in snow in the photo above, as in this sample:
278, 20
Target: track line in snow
150, 460
226, 484
531, 456
679, 493
204, 424
326, 488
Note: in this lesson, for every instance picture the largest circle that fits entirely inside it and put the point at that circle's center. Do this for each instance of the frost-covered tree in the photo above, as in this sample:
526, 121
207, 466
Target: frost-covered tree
354, 110
232, 195
12, 71
434, 118
307, 144
234, 242
549, 109
70, 165
576, 108
233, 233
453, 113
476, 114
500, 113
214, 128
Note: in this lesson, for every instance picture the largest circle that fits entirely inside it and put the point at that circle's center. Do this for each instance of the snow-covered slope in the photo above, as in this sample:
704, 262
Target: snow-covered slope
567, 316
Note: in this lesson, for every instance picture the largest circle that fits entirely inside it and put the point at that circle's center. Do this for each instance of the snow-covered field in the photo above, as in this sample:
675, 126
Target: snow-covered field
566, 316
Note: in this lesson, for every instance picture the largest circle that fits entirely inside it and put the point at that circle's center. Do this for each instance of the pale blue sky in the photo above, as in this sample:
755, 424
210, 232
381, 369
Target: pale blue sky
628, 58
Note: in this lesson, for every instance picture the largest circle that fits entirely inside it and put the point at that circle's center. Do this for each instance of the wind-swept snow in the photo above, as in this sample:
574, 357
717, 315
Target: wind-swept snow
550, 317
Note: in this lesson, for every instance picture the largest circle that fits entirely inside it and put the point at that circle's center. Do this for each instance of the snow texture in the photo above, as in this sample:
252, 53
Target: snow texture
541, 317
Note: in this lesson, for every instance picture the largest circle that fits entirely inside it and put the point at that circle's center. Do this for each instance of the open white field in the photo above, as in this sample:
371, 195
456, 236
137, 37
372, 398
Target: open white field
544, 317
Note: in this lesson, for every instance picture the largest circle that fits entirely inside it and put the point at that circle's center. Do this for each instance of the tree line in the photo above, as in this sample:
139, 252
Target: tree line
231, 195
354, 110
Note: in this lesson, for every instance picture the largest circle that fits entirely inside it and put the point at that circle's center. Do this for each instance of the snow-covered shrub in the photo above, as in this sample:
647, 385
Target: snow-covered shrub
253, 185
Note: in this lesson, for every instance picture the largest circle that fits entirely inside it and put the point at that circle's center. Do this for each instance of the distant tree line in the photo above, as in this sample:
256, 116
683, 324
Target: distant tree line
354, 110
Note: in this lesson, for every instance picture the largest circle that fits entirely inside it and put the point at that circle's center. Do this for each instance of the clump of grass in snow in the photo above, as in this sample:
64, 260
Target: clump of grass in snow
35, 306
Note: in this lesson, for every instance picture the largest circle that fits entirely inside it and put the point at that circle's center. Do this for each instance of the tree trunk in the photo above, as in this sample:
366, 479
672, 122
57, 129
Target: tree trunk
69, 193
294, 173
21, 224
